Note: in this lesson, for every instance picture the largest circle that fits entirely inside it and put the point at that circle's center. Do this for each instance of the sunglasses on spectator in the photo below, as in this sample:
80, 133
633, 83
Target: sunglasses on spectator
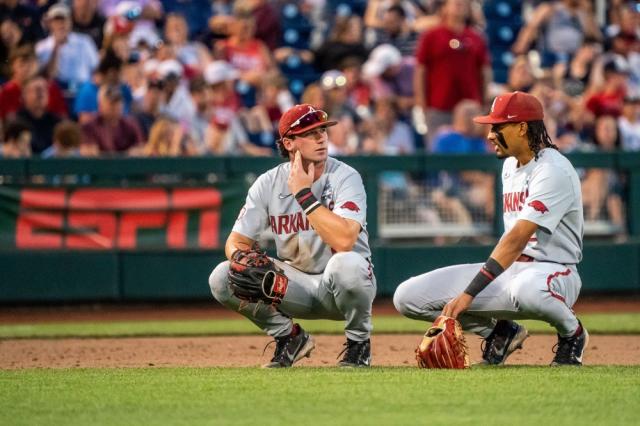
308, 119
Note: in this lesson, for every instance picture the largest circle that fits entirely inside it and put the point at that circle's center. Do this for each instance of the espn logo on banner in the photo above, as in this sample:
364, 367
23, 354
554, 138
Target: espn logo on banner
115, 218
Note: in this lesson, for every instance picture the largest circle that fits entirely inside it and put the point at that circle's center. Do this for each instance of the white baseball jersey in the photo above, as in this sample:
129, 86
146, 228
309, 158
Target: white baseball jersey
547, 192
269, 203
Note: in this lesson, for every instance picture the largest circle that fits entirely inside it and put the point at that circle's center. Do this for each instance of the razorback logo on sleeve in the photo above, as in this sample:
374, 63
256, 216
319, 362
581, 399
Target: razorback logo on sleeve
538, 206
350, 205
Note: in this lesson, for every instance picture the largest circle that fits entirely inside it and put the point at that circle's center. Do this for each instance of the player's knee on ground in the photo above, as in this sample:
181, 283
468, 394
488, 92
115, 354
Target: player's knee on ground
218, 282
346, 271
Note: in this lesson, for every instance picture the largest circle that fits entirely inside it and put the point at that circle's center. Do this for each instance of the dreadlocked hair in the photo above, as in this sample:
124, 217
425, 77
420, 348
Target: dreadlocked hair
538, 137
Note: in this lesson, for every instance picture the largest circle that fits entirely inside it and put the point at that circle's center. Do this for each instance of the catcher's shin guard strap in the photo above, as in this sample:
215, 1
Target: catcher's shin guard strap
274, 286
489, 272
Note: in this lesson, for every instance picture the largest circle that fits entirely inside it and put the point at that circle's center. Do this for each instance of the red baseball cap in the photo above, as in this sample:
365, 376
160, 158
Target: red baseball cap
302, 118
513, 108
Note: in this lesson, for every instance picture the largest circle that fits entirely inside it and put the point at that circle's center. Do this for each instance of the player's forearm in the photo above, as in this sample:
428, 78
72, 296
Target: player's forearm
334, 230
237, 242
513, 243
504, 254
508, 250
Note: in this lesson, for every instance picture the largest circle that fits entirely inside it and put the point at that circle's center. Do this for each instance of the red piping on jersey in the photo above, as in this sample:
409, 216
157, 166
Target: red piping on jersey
552, 276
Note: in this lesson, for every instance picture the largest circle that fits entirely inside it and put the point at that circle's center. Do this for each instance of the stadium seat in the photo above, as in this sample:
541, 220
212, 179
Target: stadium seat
297, 38
346, 7
504, 21
502, 34
246, 92
291, 17
502, 9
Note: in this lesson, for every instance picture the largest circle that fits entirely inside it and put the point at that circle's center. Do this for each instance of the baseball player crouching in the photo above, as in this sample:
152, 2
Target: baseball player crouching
316, 208
531, 273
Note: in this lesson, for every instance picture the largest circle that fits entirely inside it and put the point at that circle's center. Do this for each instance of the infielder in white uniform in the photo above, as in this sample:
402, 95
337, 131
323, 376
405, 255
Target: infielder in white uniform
531, 273
316, 209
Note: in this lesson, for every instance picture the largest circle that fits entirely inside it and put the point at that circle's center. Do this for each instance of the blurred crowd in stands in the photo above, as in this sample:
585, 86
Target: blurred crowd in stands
161, 78
213, 77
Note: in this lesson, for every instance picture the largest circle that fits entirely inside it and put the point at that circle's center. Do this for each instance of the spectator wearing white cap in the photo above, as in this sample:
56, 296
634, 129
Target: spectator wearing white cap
390, 75
179, 104
69, 57
225, 102
226, 134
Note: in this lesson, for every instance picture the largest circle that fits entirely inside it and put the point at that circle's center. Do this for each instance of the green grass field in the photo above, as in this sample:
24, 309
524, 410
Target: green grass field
306, 396
512, 395
628, 323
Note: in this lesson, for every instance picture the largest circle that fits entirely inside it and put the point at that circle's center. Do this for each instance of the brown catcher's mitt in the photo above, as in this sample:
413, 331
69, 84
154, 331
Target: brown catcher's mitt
443, 345
253, 277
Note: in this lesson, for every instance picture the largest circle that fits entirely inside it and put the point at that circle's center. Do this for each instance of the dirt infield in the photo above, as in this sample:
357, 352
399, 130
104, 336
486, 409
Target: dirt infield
246, 351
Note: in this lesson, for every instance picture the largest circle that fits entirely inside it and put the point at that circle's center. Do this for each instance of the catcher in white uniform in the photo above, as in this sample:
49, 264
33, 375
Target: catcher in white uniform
531, 273
315, 207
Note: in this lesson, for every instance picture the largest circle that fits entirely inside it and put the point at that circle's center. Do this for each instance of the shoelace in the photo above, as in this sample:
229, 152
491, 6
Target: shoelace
351, 348
564, 348
488, 346
280, 345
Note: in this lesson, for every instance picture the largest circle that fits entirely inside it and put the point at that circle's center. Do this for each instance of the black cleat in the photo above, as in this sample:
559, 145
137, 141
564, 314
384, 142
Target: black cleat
569, 350
291, 348
356, 354
505, 338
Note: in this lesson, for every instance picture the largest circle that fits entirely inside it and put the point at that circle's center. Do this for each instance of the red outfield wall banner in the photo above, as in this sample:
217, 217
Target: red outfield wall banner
111, 218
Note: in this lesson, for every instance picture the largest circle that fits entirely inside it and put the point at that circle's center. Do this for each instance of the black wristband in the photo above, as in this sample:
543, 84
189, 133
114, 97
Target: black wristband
489, 272
307, 200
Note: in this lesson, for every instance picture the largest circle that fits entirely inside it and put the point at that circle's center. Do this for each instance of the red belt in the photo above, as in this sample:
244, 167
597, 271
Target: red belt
525, 258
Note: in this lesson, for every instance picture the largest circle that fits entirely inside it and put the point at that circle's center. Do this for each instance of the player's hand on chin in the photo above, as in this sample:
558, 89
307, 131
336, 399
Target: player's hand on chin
298, 177
457, 305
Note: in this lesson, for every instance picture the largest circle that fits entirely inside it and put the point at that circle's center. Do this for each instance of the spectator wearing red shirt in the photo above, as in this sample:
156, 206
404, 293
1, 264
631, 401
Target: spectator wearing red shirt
452, 64
110, 131
244, 51
609, 99
267, 23
24, 66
